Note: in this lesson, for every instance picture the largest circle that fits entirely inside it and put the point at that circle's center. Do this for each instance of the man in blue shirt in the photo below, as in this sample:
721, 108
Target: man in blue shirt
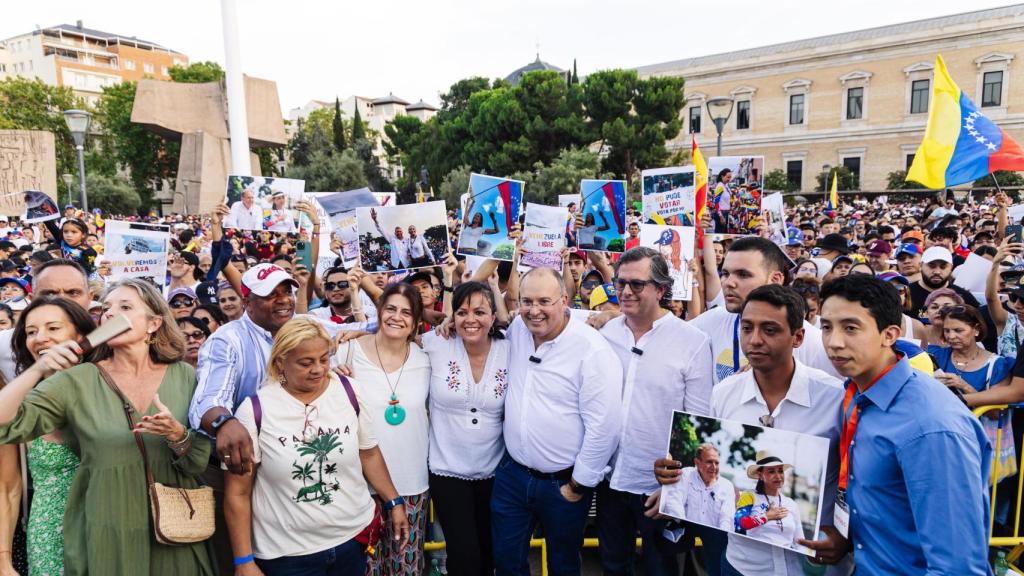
914, 460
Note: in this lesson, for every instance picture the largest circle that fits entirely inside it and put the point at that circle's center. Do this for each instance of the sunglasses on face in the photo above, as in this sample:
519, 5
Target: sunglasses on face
1014, 298
590, 285
182, 303
331, 286
636, 286
197, 336
806, 289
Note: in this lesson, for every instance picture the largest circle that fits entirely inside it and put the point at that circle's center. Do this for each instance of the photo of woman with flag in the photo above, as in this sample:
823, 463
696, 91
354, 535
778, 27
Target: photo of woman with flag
491, 209
600, 222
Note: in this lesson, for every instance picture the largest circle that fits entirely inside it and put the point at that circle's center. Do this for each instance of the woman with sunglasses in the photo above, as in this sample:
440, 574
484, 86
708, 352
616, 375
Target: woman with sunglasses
195, 332
964, 365
1008, 318
182, 302
913, 330
933, 306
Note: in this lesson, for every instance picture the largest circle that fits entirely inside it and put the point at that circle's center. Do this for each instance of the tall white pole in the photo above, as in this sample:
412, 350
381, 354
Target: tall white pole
238, 125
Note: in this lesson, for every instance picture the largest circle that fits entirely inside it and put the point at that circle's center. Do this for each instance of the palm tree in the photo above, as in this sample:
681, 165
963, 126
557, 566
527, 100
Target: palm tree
319, 448
303, 473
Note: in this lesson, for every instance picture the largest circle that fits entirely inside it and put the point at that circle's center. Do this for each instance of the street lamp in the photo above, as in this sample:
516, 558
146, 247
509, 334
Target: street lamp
719, 109
68, 181
78, 124
827, 169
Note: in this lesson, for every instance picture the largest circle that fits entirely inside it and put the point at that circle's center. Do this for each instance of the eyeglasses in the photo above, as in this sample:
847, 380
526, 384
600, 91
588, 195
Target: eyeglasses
197, 336
590, 285
331, 286
178, 303
636, 286
1016, 298
768, 421
805, 288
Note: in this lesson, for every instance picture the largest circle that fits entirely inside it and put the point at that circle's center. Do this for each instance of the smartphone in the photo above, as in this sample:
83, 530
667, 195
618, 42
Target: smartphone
1013, 232
304, 251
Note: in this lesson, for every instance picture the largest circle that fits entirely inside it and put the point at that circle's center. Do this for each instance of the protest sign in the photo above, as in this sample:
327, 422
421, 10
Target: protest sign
603, 212
259, 203
488, 214
39, 207
543, 237
739, 504
137, 250
773, 210
676, 244
341, 210
386, 198
570, 202
668, 196
402, 237
735, 184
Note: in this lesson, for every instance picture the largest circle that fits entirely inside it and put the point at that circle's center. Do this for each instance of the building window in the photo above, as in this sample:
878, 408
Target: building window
854, 103
795, 173
992, 89
129, 64
910, 160
852, 164
695, 120
147, 68
163, 70
919, 96
796, 109
743, 115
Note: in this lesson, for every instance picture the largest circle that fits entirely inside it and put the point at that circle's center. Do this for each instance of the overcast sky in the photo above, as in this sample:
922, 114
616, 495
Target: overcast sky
416, 49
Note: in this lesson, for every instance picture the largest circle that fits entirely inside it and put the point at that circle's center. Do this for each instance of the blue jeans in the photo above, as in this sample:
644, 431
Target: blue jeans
348, 559
518, 503
620, 515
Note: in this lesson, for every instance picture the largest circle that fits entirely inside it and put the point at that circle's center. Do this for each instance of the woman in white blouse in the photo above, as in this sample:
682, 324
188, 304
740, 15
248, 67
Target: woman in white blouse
765, 514
468, 378
391, 377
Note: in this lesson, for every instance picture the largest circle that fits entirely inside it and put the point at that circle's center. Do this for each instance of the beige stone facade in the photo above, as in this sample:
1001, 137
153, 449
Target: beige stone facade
876, 70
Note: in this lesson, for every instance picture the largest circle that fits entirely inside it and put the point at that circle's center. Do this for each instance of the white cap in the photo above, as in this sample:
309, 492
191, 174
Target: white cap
262, 279
937, 253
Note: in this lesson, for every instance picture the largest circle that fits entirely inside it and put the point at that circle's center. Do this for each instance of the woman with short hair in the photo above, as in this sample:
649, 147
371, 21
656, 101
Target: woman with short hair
965, 366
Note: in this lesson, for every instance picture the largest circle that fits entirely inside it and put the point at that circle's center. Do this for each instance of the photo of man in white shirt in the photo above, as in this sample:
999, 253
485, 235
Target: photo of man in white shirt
702, 496
245, 214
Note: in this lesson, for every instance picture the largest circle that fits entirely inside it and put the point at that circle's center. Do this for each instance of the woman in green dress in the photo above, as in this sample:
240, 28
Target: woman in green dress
107, 528
46, 322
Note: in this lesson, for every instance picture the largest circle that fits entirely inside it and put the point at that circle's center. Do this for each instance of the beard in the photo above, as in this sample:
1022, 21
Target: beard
930, 282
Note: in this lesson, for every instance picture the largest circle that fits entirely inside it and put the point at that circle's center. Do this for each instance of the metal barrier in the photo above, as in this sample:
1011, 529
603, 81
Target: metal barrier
1016, 541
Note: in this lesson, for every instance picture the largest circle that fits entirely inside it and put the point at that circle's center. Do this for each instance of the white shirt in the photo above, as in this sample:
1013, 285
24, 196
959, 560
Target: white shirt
655, 384
566, 410
470, 239
586, 236
692, 500
302, 505
369, 309
783, 532
811, 406
465, 416
399, 248
404, 446
722, 327
418, 248
245, 218
281, 221
7, 355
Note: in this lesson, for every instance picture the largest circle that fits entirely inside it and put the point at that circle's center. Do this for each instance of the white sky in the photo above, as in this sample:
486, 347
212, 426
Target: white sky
316, 49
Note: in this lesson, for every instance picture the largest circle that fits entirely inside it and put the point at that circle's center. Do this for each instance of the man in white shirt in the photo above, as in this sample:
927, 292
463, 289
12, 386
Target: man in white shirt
419, 251
751, 262
702, 496
655, 384
779, 392
562, 424
398, 242
246, 213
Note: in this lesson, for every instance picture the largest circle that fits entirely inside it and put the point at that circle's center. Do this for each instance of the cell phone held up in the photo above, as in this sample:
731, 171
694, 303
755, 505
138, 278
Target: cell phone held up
1013, 233
304, 252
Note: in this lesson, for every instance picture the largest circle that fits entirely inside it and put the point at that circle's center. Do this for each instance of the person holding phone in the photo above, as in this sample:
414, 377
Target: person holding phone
1009, 318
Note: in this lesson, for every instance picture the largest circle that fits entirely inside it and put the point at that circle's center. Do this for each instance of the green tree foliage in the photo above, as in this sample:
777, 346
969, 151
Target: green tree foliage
455, 101
112, 194
330, 172
358, 129
545, 183
1004, 177
196, 73
777, 180
846, 180
338, 127
897, 180
453, 186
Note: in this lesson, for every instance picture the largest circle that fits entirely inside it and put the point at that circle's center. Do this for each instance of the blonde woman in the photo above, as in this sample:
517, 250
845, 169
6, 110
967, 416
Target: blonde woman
306, 508
107, 520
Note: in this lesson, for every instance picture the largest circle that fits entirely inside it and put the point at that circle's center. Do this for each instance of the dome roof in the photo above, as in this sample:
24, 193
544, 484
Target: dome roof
390, 99
534, 66
421, 105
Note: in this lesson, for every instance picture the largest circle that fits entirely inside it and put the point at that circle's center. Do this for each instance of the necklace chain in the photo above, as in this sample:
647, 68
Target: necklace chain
394, 389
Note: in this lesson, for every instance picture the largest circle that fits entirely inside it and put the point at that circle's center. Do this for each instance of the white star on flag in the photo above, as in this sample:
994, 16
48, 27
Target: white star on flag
990, 146
980, 139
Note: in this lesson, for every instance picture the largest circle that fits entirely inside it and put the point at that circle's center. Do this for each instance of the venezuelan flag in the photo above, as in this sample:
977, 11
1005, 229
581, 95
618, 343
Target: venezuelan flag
833, 195
960, 143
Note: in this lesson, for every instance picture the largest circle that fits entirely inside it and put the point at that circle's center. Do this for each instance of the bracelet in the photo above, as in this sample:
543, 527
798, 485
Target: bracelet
243, 560
183, 441
390, 504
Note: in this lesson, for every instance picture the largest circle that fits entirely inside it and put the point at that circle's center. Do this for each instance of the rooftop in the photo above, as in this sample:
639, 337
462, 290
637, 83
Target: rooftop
421, 105
79, 29
389, 99
534, 66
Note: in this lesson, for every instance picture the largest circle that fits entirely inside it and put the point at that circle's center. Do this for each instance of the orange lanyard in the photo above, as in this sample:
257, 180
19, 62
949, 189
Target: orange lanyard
850, 425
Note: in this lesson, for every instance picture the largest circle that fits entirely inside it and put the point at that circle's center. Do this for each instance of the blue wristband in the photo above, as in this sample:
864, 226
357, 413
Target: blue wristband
390, 504
243, 560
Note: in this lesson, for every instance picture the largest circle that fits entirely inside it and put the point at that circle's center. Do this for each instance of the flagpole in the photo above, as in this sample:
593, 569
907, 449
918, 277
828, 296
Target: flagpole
996, 182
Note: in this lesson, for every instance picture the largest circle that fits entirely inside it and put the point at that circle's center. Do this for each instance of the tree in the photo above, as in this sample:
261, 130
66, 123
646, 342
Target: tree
112, 194
545, 183
455, 100
338, 127
196, 73
897, 180
330, 172
777, 180
846, 179
1004, 177
358, 130
454, 185
574, 79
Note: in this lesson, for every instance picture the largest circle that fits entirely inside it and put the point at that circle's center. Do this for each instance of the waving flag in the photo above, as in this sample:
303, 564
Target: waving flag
960, 144
700, 182
609, 190
833, 195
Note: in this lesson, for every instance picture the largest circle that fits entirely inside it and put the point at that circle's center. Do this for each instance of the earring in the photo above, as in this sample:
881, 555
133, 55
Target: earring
151, 339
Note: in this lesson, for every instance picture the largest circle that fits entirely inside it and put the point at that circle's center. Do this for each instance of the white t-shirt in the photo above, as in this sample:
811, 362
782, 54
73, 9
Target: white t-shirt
309, 494
470, 238
404, 446
281, 221
782, 532
586, 236
369, 308
465, 416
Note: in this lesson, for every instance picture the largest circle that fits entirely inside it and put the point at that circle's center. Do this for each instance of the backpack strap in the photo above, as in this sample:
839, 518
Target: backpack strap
257, 412
350, 392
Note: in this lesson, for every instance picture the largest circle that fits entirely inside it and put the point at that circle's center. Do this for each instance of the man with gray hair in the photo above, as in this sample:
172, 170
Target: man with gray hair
666, 366
701, 495
562, 423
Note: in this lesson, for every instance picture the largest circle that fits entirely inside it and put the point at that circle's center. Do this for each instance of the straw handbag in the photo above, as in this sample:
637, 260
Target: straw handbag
180, 515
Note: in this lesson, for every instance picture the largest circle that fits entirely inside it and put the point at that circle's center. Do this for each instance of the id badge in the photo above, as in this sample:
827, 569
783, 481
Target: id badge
841, 516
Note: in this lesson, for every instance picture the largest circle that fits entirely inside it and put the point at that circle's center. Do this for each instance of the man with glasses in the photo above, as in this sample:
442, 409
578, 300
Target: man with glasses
655, 383
563, 417
182, 302
777, 392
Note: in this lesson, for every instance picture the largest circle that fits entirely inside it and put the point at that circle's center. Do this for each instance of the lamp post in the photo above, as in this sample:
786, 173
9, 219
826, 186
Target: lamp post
69, 179
78, 124
719, 109
827, 169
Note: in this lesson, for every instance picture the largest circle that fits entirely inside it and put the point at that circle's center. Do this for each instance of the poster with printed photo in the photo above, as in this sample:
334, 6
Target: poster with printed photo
259, 203
488, 215
735, 184
668, 196
402, 237
676, 244
773, 215
137, 250
341, 211
570, 202
543, 237
39, 207
603, 216
768, 483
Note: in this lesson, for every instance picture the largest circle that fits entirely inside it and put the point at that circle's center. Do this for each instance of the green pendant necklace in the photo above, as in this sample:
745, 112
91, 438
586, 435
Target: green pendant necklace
394, 414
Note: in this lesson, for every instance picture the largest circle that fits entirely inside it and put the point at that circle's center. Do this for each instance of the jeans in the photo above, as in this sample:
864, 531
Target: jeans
620, 515
347, 559
518, 504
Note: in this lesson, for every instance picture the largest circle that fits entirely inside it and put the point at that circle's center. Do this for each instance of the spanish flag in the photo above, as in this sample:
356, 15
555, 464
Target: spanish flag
960, 143
700, 180
833, 195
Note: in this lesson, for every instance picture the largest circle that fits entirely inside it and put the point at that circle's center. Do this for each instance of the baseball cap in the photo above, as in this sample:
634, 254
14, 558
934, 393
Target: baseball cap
421, 275
794, 237
601, 294
834, 242
937, 253
24, 285
894, 277
207, 292
262, 279
911, 249
879, 248
913, 235
181, 291
189, 257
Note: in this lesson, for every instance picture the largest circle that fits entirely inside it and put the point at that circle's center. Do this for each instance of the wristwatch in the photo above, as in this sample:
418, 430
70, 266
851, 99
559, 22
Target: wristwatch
578, 488
390, 504
220, 421
446, 288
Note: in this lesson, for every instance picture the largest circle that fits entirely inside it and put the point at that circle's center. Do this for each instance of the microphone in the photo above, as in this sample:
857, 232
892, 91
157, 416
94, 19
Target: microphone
637, 351
534, 359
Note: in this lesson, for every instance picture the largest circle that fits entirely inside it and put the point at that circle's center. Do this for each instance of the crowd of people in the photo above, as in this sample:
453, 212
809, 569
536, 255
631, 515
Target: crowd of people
328, 410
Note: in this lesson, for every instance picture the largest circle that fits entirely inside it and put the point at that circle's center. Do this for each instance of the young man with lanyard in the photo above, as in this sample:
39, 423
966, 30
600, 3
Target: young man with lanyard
914, 462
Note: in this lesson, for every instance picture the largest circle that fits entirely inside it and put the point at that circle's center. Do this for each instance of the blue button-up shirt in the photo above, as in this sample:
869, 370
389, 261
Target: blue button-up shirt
918, 482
